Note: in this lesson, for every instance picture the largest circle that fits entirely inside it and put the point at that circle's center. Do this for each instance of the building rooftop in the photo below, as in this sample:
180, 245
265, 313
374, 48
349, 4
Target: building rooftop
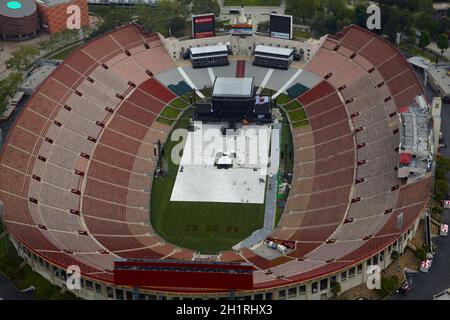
233, 87
209, 49
420, 62
50, 3
273, 50
17, 9
440, 77
37, 76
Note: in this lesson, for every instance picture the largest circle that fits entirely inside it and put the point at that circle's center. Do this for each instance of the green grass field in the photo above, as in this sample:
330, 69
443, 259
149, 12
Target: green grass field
286, 163
297, 114
282, 99
294, 105
262, 3
179, 103
206, 227
172, 110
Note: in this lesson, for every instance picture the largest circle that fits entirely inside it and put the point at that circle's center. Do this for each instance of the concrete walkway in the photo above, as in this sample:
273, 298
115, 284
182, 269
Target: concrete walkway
433, 47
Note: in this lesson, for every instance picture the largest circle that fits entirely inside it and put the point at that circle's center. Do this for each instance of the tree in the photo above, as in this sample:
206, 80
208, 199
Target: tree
8, 87
113, 18
205, 6
264, 26
440, 190
361, 14
443, 25
22, 58
424, 40
396, 21
441, 185
388, 286
336, 288
411, 37
442, 42
406, 22
164, 18
301, 9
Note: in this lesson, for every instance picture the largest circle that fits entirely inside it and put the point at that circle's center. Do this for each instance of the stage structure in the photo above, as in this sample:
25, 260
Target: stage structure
210, 56
273, 57
234, 100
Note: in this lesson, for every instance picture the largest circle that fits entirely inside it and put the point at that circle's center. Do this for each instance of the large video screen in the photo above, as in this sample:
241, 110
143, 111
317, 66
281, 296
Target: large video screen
203, 26
281, 26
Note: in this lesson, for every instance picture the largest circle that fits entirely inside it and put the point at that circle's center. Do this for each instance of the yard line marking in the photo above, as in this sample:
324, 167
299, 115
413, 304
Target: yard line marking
288, 83
265, 80
190, 83
211, 75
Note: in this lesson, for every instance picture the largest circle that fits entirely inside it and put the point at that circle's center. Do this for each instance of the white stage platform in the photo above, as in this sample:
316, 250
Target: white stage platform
199, 180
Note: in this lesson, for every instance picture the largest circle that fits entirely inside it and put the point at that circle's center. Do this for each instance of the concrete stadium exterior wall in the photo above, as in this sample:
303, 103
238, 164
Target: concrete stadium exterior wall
55, 16
241, 45
348, 278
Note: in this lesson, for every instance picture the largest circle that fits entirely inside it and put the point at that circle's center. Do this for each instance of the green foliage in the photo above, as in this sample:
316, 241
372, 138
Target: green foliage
440, 190
424, 40
205, 6
22, 58
329, 16
65, 53
443, 25
361, 14
25, 277
269, 3
59, 40
421, 254
436, 212
301, 9
441, 184
113, 17
264, 26
442, 42
388, 286
442, 167
336, 288
167, 17
8, 87
394, 255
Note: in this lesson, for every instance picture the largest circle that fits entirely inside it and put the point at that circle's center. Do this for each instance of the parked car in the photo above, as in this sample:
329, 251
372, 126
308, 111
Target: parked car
405, 288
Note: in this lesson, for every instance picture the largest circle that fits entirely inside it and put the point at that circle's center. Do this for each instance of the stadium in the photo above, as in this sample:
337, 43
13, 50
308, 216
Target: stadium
80, 171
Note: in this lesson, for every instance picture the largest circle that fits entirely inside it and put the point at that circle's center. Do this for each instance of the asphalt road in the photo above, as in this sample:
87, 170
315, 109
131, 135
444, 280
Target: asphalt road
425, 285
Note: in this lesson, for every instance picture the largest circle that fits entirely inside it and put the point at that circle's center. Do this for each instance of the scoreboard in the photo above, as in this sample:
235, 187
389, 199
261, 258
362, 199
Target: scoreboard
281, 26
203, 26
